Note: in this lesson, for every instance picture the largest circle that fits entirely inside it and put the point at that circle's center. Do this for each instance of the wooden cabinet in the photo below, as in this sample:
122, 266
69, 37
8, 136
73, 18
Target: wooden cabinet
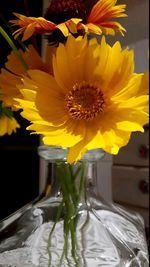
130, 185
136, 153
130, 176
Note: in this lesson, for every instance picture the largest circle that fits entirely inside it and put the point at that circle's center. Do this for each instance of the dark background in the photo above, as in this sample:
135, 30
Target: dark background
19, 161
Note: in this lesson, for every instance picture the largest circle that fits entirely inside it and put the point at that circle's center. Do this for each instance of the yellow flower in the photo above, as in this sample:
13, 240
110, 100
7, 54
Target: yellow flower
13, 72
98, 20
8, 125
93, 100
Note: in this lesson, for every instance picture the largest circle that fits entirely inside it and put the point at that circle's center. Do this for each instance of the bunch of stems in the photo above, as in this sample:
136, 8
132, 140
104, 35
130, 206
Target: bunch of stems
72, 184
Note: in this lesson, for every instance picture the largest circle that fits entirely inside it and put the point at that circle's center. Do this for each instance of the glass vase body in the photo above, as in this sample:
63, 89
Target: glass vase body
76, 230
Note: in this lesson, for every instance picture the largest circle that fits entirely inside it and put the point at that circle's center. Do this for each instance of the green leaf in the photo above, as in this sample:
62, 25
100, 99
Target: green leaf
5, 111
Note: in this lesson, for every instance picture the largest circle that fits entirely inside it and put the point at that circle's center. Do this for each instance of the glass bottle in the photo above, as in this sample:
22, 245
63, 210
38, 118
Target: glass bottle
73, 228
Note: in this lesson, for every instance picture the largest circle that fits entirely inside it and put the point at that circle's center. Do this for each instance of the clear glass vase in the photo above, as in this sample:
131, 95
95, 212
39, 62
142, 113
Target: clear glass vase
69, 225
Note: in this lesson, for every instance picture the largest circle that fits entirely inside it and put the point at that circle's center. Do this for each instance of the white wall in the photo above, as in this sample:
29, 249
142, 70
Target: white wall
136, 24
141, 55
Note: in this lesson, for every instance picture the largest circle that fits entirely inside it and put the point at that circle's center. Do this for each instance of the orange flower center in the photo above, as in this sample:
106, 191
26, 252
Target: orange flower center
62, 10
85, 101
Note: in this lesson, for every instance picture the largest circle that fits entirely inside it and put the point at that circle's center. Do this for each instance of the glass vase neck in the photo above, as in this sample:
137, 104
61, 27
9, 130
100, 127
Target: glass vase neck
58, 170
53, 153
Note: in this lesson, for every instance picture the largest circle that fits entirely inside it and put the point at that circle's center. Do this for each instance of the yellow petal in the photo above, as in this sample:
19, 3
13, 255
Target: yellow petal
8, 125
94, 28
29, 110
63, 28
61, 138
129, 126
29, 94
72, 24
97, 142
44, 80
135, 102
77, 151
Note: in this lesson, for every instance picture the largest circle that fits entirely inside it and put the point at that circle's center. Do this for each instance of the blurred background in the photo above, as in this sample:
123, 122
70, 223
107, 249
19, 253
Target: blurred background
130, 168
19, 161
125, 176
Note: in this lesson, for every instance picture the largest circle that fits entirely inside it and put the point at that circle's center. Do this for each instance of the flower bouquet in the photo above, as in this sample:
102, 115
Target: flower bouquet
84, 98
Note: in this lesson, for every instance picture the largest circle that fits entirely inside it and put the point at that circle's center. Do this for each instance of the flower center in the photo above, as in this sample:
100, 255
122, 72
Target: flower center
85, 101
62, 10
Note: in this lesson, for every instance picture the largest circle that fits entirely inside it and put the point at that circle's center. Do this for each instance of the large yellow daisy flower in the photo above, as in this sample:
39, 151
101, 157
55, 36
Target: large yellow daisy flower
93, 100
99, 19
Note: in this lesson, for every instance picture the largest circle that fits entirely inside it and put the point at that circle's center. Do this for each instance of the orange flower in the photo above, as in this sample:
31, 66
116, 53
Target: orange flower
98, 21
29, 26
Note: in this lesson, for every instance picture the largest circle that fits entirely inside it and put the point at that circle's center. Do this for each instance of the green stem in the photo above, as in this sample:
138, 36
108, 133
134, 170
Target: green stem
73, 183
74, 242
52, 230
22, 45
71, 197
65, 247
70, 183
82, 179
71, 206
14, 48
